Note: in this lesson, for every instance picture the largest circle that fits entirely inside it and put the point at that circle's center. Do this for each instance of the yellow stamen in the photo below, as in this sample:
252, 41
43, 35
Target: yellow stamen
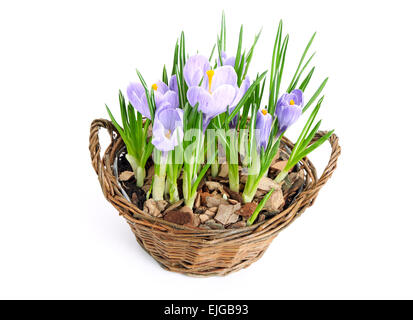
155, 87
168, 134
292, 102
264, 111
210, 74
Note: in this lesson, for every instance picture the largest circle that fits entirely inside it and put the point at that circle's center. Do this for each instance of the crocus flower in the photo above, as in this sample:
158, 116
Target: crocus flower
167, 130
263, 124
217, 91
226, 61
288, 109
137, 97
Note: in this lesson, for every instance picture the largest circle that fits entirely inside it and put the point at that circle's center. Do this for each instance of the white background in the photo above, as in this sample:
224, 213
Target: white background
61, 61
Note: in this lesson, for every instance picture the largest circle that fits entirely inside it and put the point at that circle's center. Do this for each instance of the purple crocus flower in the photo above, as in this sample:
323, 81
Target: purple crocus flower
288, 109
217, 91
226, 61
263, 124
163, 95
167, 130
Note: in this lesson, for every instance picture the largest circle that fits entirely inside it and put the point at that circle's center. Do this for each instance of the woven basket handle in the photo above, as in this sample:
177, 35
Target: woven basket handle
94, 148
332, 163
94, 145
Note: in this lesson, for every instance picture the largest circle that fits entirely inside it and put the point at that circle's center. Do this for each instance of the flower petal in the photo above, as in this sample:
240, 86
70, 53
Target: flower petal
173, 84
194, 69
162, 87
167, 128
263, 126
223, 75
172, 98
241, 92
223, 98
199, 95
137, 97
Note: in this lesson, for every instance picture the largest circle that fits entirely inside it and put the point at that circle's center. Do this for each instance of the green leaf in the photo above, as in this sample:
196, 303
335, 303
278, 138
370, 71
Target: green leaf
304, 132
259, 207
246, 96
315, 95
301, 61
212, 52
314, 146
306, 80
239, 49
294, 85
165, 75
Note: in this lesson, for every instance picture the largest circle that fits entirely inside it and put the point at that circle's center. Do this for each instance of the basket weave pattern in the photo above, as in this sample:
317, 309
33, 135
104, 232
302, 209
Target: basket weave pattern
194, 251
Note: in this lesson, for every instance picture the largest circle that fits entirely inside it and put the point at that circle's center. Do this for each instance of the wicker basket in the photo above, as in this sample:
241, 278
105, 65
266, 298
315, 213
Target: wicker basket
194, 251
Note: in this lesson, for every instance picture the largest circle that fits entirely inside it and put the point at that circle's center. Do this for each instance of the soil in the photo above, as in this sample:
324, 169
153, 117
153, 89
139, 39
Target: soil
136, 194
211, 200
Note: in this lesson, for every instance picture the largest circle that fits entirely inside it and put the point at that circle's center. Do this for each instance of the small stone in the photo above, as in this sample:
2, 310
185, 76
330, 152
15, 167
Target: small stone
247, 209
234, 195
214, 186
179, 217
226, 214
213, 225
150, 207
279, 165
260, 193
215, 201
276, 200
174, 205
210, 213
197, 200
237, 225
213, 209
223, 172
186, 209
266, 184
162, 204
126, 175
232, 201
196, 221
204, 217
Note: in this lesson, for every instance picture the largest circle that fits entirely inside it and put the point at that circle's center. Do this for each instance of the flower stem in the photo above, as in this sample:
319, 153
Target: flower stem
249, 191
233, 176
173, 192
281, 176
158, 187
189, 202
140, 176
214, 169
138, 170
